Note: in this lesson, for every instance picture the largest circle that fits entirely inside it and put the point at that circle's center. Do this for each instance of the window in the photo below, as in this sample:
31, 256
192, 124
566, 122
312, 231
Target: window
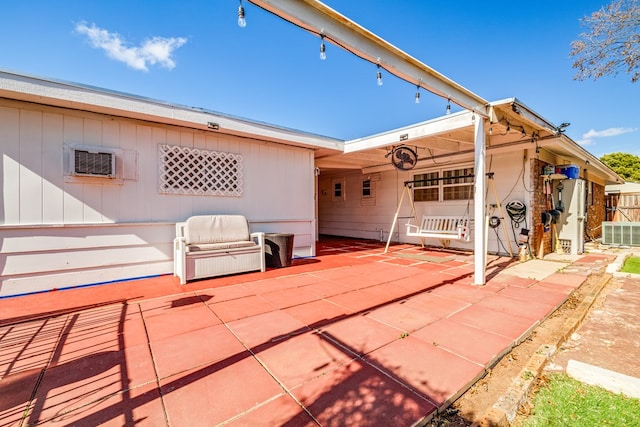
185, 170
458, 184
427, 187
366, 188
337, 190
443, 185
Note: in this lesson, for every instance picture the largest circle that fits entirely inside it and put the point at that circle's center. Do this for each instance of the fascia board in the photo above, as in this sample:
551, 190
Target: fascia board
77, 97
421, 130
594, 163
526, 113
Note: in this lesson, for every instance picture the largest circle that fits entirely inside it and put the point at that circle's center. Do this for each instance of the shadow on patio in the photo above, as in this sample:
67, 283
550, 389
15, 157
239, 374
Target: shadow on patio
353, 337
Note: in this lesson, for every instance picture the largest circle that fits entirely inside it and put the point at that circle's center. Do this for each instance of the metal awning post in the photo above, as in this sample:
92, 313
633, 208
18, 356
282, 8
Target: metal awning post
480, 253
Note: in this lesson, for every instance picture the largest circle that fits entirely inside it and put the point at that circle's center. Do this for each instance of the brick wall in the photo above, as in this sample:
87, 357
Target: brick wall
539, 202
596, 213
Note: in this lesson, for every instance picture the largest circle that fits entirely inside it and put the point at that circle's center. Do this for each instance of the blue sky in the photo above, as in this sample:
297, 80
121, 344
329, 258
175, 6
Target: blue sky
192, 52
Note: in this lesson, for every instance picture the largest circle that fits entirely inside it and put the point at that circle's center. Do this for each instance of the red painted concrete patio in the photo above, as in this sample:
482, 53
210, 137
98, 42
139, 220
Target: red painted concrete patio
352, 337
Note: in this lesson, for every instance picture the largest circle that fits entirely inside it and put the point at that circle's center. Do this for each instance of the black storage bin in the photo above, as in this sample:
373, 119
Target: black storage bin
278, 249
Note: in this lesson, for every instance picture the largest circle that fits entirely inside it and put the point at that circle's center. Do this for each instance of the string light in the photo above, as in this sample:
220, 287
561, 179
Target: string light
323, 48
241, 21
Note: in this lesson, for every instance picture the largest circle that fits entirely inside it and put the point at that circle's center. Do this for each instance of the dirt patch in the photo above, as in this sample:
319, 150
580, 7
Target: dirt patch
473, 404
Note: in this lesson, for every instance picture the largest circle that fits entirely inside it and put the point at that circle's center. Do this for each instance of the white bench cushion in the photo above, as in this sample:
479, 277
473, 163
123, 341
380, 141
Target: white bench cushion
208, 229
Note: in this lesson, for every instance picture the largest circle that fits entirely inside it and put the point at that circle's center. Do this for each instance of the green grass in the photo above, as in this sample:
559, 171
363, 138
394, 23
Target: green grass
567, 402
631, 265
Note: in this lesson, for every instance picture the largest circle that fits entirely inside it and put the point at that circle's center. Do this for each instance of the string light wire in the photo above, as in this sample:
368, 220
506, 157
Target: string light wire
323, 35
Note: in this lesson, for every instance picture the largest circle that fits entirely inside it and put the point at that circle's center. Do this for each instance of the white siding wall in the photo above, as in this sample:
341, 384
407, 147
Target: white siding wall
364, 218
58, 232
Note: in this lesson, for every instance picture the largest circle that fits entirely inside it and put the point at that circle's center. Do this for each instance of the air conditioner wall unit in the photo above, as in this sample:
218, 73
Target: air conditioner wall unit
93, 162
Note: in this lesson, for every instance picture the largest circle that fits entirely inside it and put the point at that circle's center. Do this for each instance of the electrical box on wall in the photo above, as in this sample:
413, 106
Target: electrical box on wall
569, 199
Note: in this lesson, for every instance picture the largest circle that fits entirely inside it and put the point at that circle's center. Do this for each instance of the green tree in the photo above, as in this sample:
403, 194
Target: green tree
611, 43
624, 164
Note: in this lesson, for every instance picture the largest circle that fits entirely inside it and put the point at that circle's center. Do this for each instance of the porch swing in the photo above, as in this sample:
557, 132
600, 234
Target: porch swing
444, 227
441, 227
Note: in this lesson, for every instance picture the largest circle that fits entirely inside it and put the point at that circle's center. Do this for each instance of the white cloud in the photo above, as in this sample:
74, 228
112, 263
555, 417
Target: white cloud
588, 138
157, 50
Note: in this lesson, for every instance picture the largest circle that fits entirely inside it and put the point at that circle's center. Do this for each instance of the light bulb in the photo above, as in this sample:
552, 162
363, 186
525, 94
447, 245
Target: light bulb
418, 95
448, 111
323, 49
379, 76
241, 21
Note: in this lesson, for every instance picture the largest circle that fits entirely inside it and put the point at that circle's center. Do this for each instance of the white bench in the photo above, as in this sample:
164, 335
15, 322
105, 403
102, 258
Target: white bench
441, 227
216, 245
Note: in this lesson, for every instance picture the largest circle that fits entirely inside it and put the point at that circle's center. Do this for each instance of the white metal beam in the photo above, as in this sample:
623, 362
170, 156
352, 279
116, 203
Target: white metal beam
317, 18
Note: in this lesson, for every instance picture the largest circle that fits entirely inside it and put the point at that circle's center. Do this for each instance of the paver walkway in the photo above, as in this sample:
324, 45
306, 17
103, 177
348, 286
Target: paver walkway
353, 337
608, 339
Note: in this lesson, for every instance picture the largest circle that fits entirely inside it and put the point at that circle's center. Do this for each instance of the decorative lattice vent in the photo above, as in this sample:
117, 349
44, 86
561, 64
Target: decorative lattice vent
185, 170
566, 245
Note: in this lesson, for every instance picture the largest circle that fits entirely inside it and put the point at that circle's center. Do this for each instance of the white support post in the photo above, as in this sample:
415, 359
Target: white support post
480, 254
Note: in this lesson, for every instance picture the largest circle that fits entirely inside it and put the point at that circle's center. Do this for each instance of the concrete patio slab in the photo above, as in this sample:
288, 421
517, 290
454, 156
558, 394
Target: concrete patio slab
497, 322
180, 321
266, 328
474, 344
401, 316
180, 353
218, 391
433, 372
318, 313
141, 406
302, 358
359, 394
537, 269
361, 335
352, 337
